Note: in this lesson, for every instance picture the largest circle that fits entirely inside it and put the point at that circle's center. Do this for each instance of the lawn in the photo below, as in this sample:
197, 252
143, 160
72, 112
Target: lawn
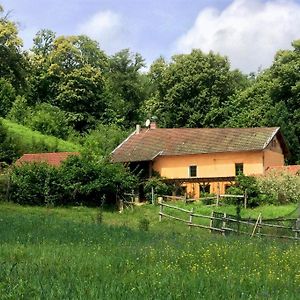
63, 253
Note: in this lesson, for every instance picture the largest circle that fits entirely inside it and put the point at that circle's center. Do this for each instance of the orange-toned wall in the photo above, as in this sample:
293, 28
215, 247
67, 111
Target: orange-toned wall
272, 159
209, 165
273, 155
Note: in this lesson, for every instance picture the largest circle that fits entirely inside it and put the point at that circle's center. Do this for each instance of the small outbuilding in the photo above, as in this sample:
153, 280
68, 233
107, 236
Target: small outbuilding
53, 159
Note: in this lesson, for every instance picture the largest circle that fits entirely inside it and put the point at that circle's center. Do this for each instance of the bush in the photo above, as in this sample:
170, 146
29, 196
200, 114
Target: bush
249, 185
159, 187
35, 184
80, 180
281, 187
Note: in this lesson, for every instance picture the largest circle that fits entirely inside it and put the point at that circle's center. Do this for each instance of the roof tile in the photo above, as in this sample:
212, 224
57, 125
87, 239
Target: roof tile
182, 141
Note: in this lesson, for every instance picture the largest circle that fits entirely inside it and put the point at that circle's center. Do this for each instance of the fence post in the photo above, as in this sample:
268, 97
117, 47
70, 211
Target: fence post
256, 224
211, 221
297, 227
191, 218
121, 205
245, 199
160, 210
259, 225
218, 194
224, 224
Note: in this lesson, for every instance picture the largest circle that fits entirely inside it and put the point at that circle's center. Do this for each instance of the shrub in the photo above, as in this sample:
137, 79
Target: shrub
7, 96
159, 187
281, 187
35, 184
80, 180
249, 185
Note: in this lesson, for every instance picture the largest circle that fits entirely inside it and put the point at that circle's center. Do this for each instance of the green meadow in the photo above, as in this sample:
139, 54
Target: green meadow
76, 253
31, 139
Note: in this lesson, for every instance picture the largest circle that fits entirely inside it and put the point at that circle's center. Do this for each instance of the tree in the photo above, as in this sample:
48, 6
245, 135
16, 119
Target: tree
193, 90
7, 96
13, 64
126, 85
273, 100
68, 73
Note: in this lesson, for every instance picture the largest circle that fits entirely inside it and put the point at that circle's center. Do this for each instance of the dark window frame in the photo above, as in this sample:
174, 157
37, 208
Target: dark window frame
193, 172
239, 168
205, 188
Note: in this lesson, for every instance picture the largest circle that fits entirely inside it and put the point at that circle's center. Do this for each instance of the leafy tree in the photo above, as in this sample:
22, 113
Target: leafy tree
273, 100
7, 96
102, 140
68, 73
20, 111
193, 90
13, 63
9, 148
126, 85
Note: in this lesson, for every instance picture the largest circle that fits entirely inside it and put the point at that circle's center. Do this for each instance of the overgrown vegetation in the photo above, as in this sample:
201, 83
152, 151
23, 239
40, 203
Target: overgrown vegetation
68, 87
50, 253
79, 181
16, 140
273, 188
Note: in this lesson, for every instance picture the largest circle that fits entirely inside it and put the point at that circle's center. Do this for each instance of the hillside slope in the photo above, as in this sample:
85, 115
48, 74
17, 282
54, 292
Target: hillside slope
30, 141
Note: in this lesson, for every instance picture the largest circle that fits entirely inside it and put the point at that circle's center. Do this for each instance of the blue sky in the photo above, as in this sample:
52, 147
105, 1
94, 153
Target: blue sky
248, 31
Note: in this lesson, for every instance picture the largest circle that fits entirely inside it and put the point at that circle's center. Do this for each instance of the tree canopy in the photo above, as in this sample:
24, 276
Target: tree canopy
69, 87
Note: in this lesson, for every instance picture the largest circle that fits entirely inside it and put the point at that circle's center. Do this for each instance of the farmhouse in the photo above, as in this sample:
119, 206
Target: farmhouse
54, 158
202, 159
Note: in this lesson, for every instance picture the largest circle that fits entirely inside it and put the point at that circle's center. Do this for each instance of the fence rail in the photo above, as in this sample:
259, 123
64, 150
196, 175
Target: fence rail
226, 224
217, 198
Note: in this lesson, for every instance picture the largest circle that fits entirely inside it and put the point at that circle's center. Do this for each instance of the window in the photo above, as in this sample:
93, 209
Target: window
204, 189
193, 171
239, 169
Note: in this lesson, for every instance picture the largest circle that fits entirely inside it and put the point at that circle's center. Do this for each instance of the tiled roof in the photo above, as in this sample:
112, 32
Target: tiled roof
150, 143
53, 159
292, 169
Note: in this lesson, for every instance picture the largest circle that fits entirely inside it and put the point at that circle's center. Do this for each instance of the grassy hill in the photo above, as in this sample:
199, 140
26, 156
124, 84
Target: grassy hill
33, 141
63, 253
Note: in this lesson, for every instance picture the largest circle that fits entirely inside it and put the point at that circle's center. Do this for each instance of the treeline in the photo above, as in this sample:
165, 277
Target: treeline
66, 86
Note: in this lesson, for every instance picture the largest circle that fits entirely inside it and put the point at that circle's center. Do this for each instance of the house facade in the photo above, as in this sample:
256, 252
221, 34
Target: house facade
202, 159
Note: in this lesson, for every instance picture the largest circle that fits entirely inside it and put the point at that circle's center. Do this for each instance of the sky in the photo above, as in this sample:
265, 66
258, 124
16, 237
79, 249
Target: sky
248, 32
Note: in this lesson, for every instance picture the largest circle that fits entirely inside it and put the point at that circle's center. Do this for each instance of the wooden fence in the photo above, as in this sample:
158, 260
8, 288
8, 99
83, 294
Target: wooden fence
216, 198
229, 224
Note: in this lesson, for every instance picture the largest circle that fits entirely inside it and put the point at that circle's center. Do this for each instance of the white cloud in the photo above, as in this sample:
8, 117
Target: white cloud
248, 32
107, 28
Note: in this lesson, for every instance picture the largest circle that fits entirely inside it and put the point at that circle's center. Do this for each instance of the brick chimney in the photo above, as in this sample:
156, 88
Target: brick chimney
153, 125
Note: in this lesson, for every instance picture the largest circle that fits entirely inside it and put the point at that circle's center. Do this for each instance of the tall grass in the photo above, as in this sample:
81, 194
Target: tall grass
30, 139
64, 254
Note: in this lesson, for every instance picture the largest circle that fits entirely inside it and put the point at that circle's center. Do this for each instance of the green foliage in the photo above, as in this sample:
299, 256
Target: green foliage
13, 63
144, 224
193, 90
273, 100
126, 86
249, 185
49, 253
80, 180
102, 140
20, 111
25, 140
9, 148
49, 120
159, 187
7, 97
282, 187
35, 184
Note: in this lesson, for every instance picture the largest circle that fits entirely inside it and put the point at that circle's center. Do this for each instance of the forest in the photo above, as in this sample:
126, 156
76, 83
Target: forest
69, 88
